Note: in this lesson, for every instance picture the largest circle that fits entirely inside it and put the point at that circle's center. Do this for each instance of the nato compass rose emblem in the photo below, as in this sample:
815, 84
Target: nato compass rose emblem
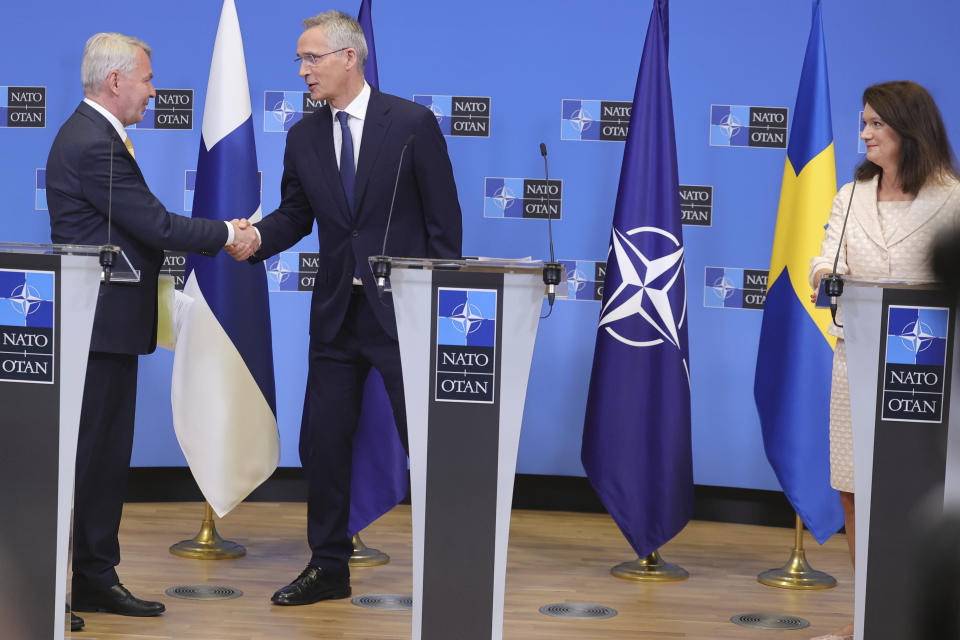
25, 299
729, 125
466, 318
641, 310
280, 271
576, 281
283, 112
917, 336
581, 120
723, 288
503, 198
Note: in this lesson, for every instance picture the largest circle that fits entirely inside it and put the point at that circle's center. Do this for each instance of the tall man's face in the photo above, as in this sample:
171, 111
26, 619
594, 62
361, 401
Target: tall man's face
134, 90
327, 78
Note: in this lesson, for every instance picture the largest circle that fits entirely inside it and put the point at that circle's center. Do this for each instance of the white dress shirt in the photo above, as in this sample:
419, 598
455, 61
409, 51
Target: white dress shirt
356, 113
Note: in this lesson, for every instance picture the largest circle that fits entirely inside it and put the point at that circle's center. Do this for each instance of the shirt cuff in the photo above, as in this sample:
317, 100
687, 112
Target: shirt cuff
230, 234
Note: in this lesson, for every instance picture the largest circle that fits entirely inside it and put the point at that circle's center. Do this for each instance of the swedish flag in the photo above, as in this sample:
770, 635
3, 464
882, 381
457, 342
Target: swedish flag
792, 383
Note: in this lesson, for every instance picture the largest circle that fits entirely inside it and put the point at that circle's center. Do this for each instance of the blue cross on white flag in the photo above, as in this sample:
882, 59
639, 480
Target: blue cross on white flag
223, 394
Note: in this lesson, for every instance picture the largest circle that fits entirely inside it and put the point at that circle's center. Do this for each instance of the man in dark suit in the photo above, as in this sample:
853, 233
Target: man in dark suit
91, 171
340, 166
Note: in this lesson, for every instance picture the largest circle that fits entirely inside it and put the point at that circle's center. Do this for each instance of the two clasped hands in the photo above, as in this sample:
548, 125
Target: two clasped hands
246, 240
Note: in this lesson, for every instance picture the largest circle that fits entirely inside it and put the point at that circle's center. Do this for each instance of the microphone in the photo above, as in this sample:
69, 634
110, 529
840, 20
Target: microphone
833, 282
109, 251
381, 263
552, 269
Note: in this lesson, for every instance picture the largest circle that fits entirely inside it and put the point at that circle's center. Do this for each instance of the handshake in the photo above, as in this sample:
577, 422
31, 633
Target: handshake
246, 240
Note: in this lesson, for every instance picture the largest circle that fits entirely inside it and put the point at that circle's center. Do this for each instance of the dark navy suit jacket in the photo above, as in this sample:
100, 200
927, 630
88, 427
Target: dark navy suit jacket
78, 184
426, 217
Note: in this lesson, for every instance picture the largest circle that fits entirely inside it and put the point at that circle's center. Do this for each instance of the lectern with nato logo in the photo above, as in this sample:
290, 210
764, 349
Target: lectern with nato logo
901, 358
466, 331
48, 294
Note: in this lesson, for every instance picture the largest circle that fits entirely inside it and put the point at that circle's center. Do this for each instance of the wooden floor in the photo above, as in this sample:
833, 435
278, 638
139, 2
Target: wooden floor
554, 557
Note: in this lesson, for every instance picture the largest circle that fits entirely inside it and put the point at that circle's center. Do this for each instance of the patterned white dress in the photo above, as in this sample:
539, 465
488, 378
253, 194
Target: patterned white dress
883, 240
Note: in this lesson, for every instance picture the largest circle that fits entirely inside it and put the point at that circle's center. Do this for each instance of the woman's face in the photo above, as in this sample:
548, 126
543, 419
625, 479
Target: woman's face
883, 143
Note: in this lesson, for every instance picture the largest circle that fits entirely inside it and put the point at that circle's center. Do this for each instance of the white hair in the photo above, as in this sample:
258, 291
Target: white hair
341, 32
108, 52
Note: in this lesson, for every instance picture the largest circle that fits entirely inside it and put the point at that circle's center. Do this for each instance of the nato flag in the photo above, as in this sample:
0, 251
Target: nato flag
636, 435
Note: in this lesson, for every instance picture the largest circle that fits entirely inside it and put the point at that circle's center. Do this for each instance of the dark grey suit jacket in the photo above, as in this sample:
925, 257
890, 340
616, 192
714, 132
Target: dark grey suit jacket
426, 217
78, 186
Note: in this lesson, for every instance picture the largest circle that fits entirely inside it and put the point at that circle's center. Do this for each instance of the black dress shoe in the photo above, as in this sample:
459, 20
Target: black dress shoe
76, 622
313, 585
115, 599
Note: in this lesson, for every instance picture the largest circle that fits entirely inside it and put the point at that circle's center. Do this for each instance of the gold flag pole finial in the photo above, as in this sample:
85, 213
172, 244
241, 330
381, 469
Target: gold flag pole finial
364, 556
797, 573
650, 568
207, 544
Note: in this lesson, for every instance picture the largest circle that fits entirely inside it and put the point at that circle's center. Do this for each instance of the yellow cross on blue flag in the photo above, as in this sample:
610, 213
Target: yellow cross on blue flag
792, 382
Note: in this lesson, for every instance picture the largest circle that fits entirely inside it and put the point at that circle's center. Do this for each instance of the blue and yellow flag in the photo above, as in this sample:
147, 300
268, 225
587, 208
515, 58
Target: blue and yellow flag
792, 383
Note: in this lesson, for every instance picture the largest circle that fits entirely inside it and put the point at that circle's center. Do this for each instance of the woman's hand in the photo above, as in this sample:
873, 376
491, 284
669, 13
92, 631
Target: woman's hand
817, 277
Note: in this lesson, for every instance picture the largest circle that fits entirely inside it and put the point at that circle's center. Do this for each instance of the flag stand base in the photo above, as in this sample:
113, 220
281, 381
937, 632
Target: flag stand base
797, 573
364, 556
207, 544
651, 568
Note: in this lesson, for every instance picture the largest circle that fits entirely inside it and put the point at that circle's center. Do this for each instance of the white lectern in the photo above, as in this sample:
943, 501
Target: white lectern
48, 294
901, 358
466, 331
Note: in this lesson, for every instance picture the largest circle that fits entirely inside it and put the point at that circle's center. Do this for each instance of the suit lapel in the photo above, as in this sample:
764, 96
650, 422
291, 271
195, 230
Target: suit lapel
865, 211
375, 126
327, 159
118, 146
926, 205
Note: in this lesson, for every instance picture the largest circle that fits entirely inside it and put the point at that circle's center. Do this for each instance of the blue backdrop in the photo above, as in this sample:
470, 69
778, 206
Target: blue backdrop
527, 58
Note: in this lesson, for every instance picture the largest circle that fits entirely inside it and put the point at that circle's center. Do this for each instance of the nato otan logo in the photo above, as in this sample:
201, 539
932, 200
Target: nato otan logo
915, 364
27, 326
40, 193
741, 126
292, 271
522, 198
23, 107
283, 109
585, 279
733, 288
696, 205
175, 266
466, 342
467, 116
190, 187
170, 109
595, 120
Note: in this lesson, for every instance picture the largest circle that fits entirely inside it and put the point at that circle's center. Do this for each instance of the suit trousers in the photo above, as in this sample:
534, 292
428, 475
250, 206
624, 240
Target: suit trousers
336, 375
103, 461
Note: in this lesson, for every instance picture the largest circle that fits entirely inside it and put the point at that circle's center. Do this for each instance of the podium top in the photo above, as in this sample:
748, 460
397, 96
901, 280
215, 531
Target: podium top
488, 265
894, 284
122, 270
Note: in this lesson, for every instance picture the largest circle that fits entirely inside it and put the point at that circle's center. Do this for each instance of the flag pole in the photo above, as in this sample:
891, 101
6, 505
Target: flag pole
364, 556
797, 573
207, 544
651, 568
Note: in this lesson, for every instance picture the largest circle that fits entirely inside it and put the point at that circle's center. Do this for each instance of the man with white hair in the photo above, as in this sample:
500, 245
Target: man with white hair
340, 168
92, 173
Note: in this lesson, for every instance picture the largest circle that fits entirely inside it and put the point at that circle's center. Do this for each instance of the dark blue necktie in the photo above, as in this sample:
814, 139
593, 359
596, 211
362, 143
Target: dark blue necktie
348, 174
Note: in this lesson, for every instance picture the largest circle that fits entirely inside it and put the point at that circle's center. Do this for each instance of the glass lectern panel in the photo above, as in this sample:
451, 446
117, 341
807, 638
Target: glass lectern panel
122, 272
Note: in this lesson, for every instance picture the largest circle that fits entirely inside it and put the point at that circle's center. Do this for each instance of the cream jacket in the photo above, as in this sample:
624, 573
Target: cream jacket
865, 254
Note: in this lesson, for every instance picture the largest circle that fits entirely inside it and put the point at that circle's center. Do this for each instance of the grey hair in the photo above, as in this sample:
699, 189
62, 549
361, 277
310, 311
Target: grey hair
341, 32
106, 52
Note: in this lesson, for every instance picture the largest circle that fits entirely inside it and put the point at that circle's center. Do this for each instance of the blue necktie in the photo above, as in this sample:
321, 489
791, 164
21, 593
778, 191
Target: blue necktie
348, 174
